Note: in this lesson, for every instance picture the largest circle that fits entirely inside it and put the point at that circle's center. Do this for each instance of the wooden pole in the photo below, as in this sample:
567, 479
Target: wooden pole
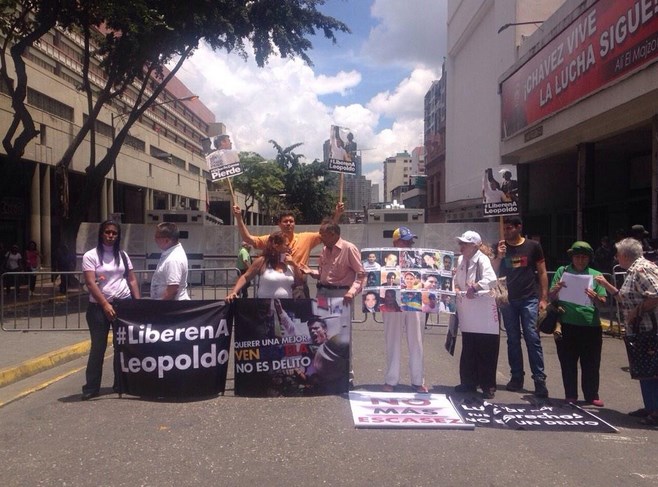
340, 188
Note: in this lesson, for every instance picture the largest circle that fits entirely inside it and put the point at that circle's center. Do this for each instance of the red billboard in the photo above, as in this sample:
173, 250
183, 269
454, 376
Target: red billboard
611, 39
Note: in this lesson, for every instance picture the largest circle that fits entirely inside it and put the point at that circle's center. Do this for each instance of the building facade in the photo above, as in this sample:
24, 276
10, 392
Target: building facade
161, 164
435, 149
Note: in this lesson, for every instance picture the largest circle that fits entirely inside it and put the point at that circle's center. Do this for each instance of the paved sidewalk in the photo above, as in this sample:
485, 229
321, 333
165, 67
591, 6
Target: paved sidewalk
24, 354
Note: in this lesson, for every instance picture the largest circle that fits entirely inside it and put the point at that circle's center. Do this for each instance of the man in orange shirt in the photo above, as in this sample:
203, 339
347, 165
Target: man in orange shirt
300, 244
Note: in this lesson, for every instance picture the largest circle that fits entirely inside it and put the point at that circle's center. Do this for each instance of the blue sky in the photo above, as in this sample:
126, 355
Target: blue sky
372, 81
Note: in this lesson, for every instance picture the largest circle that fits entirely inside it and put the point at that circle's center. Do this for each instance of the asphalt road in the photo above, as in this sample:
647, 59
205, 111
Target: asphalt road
51, 438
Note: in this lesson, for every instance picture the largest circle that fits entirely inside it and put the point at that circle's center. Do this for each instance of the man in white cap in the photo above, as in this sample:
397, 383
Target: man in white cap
394, 323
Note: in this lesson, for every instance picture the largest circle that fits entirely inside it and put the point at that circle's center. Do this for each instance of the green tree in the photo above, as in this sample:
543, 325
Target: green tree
261, 181
132, 41
306, 185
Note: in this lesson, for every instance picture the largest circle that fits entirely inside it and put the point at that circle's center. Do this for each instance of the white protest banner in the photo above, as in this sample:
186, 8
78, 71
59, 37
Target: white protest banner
400, 410
478, 315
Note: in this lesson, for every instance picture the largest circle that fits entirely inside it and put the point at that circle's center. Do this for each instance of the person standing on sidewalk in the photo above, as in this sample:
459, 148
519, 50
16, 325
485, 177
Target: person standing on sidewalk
33, 259
518, 259
109, 276
243, 263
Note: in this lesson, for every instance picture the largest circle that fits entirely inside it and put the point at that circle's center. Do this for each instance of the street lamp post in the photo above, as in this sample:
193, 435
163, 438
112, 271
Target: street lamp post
115, 192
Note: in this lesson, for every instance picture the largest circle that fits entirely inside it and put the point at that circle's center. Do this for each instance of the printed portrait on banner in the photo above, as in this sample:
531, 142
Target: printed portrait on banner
500, 191
292, 347
222, 159
407, 280
342, 150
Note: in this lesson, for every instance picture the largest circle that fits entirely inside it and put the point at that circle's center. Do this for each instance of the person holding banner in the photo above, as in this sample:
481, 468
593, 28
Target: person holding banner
277, 271
480, 339
109, 276
169, 281
581, 336
340, 272
394, 323
300, 244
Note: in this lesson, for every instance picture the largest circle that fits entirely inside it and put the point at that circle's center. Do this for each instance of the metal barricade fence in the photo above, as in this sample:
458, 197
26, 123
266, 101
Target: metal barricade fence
57, 301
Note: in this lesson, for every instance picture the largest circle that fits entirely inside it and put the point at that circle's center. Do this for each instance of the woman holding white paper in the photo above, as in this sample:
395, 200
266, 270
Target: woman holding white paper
580, 337
478, 318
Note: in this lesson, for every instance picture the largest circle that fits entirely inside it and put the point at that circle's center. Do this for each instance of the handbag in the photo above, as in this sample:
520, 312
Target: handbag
500, 292
642, 350
451, 335
548, 318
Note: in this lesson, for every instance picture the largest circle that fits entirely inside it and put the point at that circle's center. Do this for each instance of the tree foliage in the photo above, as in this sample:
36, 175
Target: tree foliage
306, 185
133, 40
261, 181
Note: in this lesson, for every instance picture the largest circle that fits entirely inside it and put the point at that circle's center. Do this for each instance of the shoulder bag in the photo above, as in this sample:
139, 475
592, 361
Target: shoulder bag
642, 349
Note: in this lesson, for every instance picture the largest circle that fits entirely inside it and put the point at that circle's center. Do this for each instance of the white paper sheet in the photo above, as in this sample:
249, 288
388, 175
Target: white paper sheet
574, 289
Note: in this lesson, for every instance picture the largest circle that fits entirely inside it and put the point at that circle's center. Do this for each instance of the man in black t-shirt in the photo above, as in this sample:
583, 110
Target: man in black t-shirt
521, 261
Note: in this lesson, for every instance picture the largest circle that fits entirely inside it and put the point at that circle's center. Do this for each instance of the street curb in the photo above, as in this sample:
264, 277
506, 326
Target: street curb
10, 375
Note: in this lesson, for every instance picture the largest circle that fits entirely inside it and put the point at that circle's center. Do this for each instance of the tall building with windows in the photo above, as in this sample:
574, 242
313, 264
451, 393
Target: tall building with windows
435, 149
397, 170
161, 164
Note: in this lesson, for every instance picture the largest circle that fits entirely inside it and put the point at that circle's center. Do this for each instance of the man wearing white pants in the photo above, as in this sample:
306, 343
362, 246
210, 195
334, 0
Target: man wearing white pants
394, 325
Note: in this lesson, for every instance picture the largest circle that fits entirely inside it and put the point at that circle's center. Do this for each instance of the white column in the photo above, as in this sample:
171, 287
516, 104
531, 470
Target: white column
46, 224
104, 191
35, 204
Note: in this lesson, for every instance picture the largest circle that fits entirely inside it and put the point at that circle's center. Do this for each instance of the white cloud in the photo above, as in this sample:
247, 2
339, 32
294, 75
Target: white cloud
410, 32
284, 101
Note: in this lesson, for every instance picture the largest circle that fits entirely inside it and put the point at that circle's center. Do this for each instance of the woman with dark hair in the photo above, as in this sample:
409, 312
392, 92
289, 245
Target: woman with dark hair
109, 276
278, 273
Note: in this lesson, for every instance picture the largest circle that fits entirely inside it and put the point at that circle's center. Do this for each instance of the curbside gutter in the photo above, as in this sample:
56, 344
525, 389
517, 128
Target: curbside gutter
12, 374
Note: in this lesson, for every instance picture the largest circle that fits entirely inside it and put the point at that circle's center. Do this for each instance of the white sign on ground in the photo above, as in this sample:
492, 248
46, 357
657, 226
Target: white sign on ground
404, 410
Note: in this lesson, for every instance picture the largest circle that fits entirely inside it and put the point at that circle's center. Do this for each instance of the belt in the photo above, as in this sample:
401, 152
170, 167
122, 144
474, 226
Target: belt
329, 286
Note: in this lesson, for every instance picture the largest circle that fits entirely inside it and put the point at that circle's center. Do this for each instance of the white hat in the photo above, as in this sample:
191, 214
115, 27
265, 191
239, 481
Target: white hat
470, 237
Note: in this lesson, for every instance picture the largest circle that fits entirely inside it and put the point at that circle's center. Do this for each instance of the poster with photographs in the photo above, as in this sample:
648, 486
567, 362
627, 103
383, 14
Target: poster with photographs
222, 159
408, 279
500, 191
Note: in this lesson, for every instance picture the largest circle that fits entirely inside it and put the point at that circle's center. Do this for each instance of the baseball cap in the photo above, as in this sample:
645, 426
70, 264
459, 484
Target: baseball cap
403, 233
470, 237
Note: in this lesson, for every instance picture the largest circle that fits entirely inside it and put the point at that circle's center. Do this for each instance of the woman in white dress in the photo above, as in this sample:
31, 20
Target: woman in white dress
278, 273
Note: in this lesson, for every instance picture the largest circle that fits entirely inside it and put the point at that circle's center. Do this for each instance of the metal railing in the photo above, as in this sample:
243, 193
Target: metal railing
57, 301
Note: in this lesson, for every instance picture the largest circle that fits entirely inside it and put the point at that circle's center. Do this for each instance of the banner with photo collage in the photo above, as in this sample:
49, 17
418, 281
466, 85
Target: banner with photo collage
408, 279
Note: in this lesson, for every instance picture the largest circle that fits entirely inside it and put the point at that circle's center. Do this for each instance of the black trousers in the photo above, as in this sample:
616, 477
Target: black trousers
479, 360
582, 343
99, 328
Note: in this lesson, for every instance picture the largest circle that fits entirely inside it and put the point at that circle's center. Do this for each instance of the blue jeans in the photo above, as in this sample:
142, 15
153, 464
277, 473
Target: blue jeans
520, 316
649, 388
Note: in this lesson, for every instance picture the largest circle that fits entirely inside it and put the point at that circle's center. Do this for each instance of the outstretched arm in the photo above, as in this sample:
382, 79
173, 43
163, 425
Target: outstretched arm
338, 212
242, 228
253, 269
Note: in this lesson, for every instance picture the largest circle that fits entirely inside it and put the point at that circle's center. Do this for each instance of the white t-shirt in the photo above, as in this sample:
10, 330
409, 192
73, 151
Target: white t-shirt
274, 284
109, 275
171, 270
13, 261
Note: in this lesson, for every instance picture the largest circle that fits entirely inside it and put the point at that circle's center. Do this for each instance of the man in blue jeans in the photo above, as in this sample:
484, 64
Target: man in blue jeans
521, 261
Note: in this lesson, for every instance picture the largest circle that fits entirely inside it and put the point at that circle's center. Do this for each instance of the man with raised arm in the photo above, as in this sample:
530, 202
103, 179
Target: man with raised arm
301, 244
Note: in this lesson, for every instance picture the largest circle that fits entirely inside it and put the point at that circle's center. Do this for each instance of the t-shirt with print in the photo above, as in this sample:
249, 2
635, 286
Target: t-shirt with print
519, 267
